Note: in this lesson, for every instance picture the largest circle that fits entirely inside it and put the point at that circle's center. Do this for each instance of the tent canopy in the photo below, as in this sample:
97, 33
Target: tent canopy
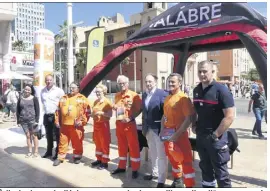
187, 28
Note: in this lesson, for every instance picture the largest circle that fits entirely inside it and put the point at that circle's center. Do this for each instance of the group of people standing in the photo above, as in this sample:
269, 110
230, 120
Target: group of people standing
166, 116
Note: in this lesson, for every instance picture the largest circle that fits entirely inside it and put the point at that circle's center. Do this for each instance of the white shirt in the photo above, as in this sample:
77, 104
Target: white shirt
149, 96
50, 99
12, 96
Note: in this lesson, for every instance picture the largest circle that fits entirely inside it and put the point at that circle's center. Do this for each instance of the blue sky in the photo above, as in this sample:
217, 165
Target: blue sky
56, 13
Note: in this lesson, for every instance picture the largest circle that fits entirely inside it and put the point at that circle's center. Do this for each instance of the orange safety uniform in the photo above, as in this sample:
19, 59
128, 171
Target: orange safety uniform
71, 109
176, 108
101, 134
126, 133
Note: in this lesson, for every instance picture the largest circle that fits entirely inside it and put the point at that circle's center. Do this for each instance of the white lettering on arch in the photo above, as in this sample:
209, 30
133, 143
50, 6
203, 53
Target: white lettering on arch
216, 11
192, 15
204, 13
181, 17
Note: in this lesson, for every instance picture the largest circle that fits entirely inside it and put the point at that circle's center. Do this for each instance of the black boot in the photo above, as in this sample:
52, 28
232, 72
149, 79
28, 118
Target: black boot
178, 183
96, 163
135, 174
118, 170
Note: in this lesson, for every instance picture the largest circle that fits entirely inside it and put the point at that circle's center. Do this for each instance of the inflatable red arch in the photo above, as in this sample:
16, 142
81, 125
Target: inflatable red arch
187, 28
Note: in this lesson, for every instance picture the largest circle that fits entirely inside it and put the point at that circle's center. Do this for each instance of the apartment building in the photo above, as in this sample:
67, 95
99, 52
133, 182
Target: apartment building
30, 18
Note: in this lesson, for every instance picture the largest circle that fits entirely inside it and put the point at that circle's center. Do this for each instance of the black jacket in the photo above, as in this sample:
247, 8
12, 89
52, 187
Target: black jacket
36, 105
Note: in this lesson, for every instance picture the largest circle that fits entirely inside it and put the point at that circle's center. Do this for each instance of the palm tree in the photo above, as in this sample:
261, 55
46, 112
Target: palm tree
62, 40
253, 75
63, 35
81, 63
19, 45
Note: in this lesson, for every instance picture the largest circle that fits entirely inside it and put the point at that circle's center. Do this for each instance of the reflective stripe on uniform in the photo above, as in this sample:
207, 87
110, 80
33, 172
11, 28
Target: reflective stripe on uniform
135, 159
191, 175
98, 153
105, 156
176, 170
122, 158
225, 147
212, 184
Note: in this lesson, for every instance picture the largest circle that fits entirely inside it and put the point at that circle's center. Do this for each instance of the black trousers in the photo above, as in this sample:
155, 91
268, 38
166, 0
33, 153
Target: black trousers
214, 156
52, 132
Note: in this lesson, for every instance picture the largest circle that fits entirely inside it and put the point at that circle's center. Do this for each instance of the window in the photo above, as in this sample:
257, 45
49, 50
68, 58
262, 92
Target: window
130, 32
149, 18
110, 39
149, 5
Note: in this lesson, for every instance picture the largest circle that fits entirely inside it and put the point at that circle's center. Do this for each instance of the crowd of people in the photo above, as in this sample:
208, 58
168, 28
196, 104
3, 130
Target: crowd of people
166, 116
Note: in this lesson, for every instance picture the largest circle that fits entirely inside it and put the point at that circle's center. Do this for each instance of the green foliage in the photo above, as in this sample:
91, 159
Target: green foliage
63, 35
253, 75
19, 45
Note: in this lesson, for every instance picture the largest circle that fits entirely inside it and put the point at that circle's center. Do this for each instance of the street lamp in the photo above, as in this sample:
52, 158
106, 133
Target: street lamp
134, 62
69, 29
110, 88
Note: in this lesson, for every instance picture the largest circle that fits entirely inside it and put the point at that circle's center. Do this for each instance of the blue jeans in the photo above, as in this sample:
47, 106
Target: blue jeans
259, 113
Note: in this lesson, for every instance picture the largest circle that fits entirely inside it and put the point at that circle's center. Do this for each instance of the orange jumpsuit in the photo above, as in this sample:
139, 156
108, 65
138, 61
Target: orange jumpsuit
126, 133
72, 108
176, 108
101, 134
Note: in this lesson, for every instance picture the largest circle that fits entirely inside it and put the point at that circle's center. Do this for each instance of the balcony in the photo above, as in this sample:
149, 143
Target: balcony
8, 11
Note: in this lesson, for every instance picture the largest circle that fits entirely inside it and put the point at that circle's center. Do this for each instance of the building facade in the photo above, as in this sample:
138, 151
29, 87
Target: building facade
30, 18
231, 64
140, 62
8, 12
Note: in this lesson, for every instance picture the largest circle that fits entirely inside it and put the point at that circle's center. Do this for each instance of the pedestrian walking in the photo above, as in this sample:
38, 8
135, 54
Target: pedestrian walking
259, 106
128, 107
12, 97
152, 112
28, 118
101, 113
71, 116
50, 96
214, 105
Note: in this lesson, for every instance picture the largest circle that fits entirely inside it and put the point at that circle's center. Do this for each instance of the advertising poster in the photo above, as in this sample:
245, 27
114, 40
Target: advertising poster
43, 63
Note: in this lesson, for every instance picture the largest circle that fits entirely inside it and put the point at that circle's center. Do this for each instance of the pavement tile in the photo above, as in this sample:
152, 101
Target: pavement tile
6, 171
249, 168
13, 181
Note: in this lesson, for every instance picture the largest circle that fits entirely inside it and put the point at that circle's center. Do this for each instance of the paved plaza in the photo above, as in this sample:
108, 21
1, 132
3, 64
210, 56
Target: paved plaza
249, 168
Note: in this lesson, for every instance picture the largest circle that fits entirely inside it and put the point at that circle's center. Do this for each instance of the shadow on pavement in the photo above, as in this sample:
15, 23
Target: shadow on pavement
249, 180
16, 173
22, 150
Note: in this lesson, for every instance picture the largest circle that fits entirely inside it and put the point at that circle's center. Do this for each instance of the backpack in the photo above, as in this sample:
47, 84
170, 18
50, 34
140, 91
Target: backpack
232, 141
4, 98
